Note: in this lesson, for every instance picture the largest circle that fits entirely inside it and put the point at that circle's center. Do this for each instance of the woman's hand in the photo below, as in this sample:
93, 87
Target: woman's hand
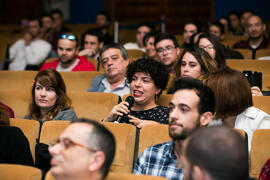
140, 123
255, 91
117, 110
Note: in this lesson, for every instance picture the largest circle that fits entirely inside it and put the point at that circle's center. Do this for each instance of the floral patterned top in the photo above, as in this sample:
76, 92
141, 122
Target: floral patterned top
159, 114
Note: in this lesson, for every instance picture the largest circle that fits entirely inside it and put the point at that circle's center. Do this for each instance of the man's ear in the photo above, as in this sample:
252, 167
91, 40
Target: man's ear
101, 45
206, 118
96, 161
198, 173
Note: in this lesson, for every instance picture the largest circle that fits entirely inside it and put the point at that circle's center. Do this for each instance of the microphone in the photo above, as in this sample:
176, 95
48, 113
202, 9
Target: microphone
130, 100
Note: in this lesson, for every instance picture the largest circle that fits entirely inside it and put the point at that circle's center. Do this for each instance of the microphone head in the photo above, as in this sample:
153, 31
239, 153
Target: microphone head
130, 100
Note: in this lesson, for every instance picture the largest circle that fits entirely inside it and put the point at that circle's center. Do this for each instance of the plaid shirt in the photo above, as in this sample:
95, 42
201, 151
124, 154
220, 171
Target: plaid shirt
159, 160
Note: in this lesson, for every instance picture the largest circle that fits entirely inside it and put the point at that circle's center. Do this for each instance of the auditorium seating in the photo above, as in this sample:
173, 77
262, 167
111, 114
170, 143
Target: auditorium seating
30, 129
262, 102
17, 100
125, 135
246, 53
248, 64
153, 134
260, 151
24, 80
262, 53
93, 105
125, 176
51, 130
19, 172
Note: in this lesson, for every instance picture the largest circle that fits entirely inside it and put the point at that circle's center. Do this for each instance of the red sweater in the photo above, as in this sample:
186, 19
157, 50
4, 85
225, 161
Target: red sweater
83, 65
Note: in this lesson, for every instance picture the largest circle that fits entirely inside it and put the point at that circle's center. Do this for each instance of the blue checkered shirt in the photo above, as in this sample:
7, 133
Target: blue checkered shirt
159, 160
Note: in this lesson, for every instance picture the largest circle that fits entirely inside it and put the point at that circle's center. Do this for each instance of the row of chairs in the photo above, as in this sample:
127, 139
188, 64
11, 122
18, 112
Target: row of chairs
32, 173
93, 105
75, 81
130, 142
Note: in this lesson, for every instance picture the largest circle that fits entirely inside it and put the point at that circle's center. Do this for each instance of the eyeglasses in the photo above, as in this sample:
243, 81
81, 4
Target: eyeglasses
209, 47
70, 37
67, 143
167, 49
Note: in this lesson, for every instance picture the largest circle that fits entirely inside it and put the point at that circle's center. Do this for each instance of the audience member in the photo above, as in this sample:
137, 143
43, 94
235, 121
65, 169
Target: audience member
215, 153
142, 29
49, 99
91, 43
114, 59
168, 50
149, 43
213, 46
256, 39
190, 28
265, 175
68, 47
217, 29
30, 52
58, 20
8, 109
234, 106
225, 22
147, 78
103, 21
14, 146
235, 25
245, 14
195, 62
192, 106
85, 150
48, 32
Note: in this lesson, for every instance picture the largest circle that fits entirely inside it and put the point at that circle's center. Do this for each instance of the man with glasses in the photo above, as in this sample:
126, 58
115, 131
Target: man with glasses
168, 50
191, 107
114, 59
67, 50
85, 150
30, 52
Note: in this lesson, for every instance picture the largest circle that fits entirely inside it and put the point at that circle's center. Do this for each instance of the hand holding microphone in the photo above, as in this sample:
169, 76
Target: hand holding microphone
129, 104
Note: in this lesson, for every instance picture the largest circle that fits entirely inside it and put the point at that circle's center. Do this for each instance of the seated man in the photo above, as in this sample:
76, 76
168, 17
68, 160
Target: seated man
215, 153
217, 29
192, 106
256, 39
168, 50
67, 50
114, 60
30, 52
190, 28
103, 22
142, 29
85, 150
91, 43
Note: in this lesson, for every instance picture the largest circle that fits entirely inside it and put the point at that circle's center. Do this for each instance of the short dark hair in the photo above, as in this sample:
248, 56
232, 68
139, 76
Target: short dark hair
106, 14
220, 55
206, 95
219, 25
102, 140
196, 23
115, 46
155, 69
92, 32
148, 36
35, 19
247, 11
220, 151
147, 24
57, 11
163, 36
